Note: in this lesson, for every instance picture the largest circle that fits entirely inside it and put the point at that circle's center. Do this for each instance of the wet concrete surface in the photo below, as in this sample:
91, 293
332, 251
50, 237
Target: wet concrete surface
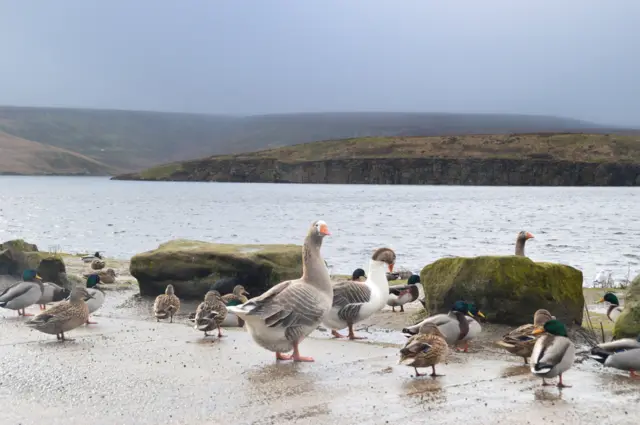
128, 369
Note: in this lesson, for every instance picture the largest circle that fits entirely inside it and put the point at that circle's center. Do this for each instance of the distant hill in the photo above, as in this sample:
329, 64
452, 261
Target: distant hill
548, 159
20, 156
132, 141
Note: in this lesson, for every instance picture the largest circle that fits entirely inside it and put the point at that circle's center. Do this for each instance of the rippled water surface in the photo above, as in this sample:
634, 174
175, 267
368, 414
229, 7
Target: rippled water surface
589, 228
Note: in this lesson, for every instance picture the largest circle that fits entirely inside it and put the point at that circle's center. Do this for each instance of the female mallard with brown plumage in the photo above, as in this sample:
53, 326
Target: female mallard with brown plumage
166, 305
63, 316
425, 349
521, 340
210, 313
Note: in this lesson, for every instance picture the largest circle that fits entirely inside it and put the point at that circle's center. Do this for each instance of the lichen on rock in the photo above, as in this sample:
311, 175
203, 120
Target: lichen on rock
192, 267
628, 323
508, 289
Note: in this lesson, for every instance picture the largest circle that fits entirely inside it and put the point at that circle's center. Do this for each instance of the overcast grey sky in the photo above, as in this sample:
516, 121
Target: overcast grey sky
575, 58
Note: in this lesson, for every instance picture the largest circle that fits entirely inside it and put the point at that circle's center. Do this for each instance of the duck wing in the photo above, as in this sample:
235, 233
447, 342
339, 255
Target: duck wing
397, 289
16, 290
620, 345
548, 352
349, 297
291, 305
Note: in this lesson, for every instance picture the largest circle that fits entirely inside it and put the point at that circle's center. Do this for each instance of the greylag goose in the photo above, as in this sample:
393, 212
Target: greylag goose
210, 313
622, 354
522, 238
521, 340
399, 295
22, 294
356, 301
166, 305
63, 316
455, 325
51, 293
614, 311
282, 317
553, 353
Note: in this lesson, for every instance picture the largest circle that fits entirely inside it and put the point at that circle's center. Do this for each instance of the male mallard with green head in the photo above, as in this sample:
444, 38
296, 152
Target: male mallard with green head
521, 340
425, 349
622, 354
614, 310
23, 294
553, 353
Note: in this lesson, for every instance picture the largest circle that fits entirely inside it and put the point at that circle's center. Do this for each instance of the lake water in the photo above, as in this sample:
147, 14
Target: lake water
588, 228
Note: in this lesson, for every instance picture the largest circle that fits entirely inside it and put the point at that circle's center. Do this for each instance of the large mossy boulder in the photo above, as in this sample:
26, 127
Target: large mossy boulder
628, 323
192, 267
17, 255
507, 289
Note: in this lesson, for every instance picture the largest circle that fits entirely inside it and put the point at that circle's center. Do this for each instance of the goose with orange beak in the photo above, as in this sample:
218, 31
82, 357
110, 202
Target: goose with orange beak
354, 302
522, 238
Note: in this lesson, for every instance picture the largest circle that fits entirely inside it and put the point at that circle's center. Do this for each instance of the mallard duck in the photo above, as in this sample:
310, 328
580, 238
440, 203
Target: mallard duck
97, 295
63, 316
107, 276
455, 325
357, 301
98, 264
614, 310
52, 293
90, 258
623, 354
237, 297
553, 353
22, 294
210, 313
522, 238
521, 340
425, 349
399, 295
282, 317
358, 275
166, 305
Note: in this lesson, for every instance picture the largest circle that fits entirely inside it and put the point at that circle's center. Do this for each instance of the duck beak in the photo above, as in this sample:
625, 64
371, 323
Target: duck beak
481, 315
324, 229
601, 300
390, 268
38, 277
245, 293
537, 331
530, 236
470, 314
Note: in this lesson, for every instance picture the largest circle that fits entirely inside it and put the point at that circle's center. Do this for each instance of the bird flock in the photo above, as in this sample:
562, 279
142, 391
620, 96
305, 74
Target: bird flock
282, 317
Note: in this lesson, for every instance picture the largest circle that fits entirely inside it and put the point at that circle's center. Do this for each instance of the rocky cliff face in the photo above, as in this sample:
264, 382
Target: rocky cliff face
468, 171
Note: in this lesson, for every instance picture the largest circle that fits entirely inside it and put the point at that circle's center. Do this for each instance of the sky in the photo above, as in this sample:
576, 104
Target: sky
571, 58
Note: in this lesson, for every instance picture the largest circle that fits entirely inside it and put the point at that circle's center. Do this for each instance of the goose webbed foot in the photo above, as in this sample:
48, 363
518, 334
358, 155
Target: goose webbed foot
352, 336
280, 356
297, 357
337, 334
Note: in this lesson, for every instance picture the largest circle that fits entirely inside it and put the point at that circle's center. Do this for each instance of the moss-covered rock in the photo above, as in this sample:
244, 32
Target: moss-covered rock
508, 289
628, 323
193, 266
18, 255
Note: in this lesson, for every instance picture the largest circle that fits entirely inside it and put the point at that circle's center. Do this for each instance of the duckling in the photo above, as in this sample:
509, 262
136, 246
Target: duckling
239, 296
22, 294
521, 340
427, 348
614, 310
51, 293
623, 354
63, 316
166, 305
455, 325
399, 295
97, 295
553, 353
210, 313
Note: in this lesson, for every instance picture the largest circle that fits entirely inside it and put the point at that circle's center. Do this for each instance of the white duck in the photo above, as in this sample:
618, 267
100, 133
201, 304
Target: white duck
282, 317
356, 301
23, 294
456, 326
553, 353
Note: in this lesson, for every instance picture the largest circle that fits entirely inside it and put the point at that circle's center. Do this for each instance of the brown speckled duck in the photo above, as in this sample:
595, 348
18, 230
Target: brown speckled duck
63, 316
210, 313
166, 305
521, 340
425, 349
239, 296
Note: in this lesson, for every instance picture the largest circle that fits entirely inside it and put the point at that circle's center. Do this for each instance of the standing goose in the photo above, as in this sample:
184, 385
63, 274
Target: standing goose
356, 301
522, 238
521, 340
239, 296
614, 310
553, 353
51, 293
623, 354
22, 294
401, 295
455, 326
166, 305
282, 317
96, 295
63, 316
210, 313
425, 349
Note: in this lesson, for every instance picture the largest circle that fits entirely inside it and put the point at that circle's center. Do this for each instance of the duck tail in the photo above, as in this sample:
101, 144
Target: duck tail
541, 368
599, 355
3, 304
